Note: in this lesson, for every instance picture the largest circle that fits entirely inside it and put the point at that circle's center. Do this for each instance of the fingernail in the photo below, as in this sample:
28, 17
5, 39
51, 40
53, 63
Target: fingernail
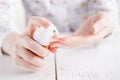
96, 27
93, 30
46, 24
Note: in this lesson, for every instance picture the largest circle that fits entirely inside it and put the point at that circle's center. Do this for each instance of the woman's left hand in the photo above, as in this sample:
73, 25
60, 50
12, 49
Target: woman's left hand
90, 33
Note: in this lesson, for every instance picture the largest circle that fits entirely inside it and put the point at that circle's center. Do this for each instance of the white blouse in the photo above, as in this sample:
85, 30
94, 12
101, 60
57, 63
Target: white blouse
67, 15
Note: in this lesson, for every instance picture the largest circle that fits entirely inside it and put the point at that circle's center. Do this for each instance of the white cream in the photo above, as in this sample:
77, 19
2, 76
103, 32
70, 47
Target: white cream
44, 35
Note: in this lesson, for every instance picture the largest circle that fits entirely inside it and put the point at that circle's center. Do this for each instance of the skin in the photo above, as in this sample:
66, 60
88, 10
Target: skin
31, 55
92, 31
24, 50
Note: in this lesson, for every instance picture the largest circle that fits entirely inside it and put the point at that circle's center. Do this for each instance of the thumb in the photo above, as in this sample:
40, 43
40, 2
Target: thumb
35, 22
31, 30
99, 22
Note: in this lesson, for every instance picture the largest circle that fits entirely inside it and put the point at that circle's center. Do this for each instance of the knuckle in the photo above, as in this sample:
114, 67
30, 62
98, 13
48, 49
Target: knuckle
17, 40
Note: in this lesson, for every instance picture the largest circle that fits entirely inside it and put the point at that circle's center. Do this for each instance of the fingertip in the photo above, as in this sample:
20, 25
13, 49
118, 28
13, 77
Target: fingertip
31, 29
35, 21
53, 50
61, 39
93, 30
46, 24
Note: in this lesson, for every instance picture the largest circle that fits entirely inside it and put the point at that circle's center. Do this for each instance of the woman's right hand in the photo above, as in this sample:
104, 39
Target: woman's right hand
28, 53
24, 50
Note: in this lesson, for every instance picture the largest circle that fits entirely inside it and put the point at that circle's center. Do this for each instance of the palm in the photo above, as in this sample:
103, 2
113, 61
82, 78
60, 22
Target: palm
90, 33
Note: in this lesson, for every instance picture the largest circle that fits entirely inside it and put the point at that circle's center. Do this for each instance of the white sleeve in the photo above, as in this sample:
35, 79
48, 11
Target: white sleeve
7, 19
110, 6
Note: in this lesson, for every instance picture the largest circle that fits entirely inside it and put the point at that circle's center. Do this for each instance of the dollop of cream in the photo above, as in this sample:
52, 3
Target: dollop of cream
45, 35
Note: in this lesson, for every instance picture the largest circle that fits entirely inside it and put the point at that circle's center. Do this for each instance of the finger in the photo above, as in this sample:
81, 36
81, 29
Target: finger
59, 39
36, 21
85, 28
58, 42
53, 43
72, 41
20, 62
30, 57
105, 32
60, 45
100, 23
94, 39
82, 41
31, 30
53, 49
35, 47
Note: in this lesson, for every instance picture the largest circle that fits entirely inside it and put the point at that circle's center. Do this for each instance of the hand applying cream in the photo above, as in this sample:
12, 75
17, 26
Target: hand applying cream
27, 49
45, 35
42, 31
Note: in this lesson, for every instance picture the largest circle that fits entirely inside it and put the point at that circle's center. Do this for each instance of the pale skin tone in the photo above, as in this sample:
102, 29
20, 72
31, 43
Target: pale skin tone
28, 53
24, 50
92, 31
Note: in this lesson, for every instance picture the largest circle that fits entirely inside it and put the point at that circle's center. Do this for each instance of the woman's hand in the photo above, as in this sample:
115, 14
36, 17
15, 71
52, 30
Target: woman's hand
91, 32
24, 50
